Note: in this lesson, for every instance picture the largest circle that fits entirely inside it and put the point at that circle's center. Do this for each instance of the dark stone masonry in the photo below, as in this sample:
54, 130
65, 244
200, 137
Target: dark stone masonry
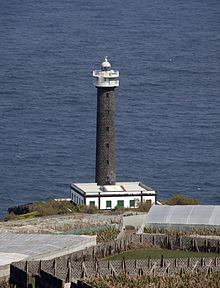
105, 137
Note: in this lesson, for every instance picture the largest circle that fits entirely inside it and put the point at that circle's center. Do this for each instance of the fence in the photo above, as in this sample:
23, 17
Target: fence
81, 264
149, 266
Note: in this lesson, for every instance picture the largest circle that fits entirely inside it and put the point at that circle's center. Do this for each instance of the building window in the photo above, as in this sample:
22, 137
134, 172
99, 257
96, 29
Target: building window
107, 162
75, 198
107, 145
108, 111
120, 203
107, 95
92, 203
107, 128
108, 204
132, 203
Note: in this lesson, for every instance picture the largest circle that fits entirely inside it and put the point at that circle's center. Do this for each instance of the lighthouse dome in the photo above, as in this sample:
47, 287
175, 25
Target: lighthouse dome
106, 64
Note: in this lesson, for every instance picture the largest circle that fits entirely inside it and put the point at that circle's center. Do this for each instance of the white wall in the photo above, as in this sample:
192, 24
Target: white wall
76, 198
152, 198
92, 199
125, 199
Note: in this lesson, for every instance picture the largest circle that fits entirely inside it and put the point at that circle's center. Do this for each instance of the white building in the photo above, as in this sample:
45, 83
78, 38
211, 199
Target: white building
107, 197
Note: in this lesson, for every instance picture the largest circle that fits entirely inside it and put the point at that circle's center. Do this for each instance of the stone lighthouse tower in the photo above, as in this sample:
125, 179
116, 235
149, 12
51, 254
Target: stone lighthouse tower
106, 81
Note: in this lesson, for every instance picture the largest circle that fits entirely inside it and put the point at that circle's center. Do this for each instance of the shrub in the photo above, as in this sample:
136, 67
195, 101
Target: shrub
144, 206
120, 209
4, 284
10, 216
105, 235
86, 209
52, 207
178, 199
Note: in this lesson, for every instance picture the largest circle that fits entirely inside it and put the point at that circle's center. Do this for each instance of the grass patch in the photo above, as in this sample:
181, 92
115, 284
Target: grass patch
23, 216
155, 254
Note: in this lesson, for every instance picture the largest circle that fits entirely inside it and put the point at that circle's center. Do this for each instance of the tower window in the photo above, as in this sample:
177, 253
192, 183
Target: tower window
107, 145
107, 95
107, 128
107, 161
107, 111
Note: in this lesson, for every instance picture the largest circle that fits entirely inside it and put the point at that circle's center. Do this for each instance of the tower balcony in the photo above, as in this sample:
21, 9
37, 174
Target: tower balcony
106, 74
103, 82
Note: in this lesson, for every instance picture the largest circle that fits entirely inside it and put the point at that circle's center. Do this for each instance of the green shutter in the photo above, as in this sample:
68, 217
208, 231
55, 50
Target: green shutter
132, 203
92, 203
108, 204
121, 203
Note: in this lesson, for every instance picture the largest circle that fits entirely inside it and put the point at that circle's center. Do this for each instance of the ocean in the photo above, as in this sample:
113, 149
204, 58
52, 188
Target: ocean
167, 105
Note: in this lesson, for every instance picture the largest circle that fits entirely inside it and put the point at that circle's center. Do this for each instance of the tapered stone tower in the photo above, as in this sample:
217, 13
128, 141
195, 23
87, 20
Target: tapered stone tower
106, 81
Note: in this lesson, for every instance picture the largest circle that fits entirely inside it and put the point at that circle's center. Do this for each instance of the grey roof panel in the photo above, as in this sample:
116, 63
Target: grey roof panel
42, 246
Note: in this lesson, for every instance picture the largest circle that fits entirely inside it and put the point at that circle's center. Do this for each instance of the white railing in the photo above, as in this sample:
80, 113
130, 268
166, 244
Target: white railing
106, 74
111, 83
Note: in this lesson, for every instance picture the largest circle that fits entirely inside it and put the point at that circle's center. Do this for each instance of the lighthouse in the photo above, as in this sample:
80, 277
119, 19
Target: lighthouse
106, 80
105, 193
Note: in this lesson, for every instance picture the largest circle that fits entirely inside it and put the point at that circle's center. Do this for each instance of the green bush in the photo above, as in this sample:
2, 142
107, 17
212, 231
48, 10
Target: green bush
10, 216
178, 199
144, 206
86, 209
4, 284
120, 209
105, 235
53, 207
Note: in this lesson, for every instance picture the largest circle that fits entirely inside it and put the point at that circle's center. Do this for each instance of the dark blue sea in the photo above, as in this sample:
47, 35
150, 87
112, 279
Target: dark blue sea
167, 105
